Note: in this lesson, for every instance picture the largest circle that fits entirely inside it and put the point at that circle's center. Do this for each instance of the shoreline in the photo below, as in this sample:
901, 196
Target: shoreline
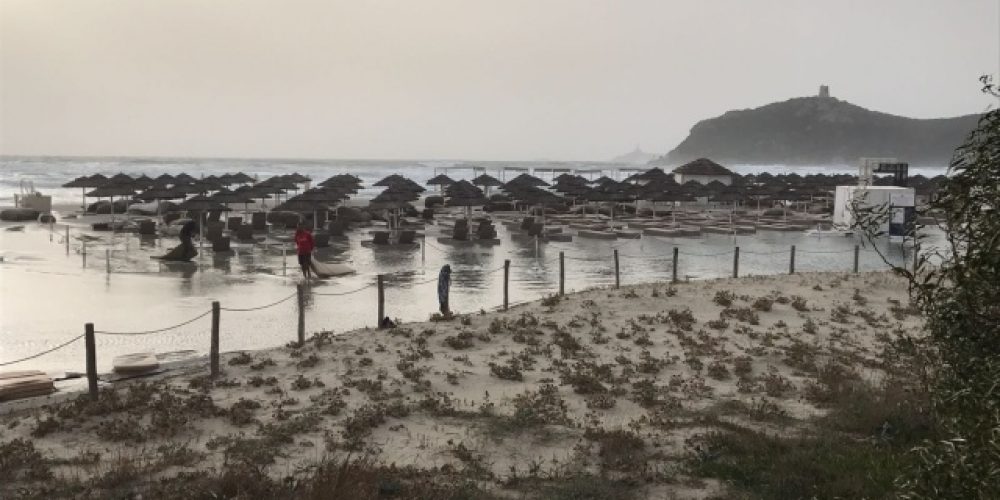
541, 390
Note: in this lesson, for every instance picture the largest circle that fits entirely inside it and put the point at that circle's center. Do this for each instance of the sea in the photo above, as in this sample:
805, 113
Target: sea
50, 289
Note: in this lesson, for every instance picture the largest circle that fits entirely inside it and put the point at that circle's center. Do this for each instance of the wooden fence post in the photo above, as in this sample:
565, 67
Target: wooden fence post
300, 288
506, 284
67, 240
107, 261
791, 261
562, 274
857, 253
736, 262
214, 347
91, 347
381, 299
676, 253
618, 280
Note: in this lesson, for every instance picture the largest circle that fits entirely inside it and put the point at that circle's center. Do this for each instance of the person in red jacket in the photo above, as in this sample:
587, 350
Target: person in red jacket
304, 245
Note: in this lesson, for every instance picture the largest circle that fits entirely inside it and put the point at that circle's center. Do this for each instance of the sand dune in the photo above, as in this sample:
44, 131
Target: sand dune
551, 387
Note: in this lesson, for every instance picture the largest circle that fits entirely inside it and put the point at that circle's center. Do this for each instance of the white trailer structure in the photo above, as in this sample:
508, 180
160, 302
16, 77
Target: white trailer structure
900, 200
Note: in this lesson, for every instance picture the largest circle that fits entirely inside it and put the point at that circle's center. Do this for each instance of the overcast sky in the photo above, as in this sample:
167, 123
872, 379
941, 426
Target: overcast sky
503, 79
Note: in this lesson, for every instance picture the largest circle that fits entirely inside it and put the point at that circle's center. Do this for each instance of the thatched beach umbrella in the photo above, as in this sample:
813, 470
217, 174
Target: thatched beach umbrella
655, 174
399, 182
112, 189
464, 194
663, 192
525, 180
241, 178
487, 182
86, 182
344, 182
202, 203
395, 197
165, 179
440, 180
296, 178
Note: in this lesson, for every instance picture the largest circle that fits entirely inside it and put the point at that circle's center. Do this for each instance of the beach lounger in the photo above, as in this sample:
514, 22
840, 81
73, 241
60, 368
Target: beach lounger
24, 384
407, 237
380, 237
132, 364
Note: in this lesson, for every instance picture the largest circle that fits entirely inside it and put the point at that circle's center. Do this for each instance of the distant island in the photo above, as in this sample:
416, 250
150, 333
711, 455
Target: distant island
820, 130
636, 156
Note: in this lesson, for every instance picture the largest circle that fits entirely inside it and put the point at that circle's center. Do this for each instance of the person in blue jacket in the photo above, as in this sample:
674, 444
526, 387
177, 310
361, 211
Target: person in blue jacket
444, 284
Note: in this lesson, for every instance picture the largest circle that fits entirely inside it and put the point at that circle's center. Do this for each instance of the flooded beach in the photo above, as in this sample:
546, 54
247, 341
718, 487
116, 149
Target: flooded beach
49, 294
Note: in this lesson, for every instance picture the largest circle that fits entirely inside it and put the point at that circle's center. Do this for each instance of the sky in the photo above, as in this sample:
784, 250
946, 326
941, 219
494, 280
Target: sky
461, 79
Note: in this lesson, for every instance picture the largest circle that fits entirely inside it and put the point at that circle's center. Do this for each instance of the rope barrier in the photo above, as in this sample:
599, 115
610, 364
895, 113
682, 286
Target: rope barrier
705, 254
33, 356
338, 294
749, 252
825, 251
248, 309
160, 330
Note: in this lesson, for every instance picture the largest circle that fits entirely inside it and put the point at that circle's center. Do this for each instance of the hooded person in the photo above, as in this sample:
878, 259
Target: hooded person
444, 284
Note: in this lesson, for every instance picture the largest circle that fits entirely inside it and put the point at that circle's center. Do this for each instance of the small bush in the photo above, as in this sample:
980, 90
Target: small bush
724, 298
763, 304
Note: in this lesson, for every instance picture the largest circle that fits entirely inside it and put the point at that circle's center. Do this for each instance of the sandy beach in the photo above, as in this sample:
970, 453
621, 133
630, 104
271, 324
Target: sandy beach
616, 384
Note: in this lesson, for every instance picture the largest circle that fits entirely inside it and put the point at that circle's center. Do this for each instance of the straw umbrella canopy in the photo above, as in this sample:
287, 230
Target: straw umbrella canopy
241, 178
161, 193
651, 175
263, 191
343, 182
294, 204
278, 185
202, 203
394, 198
296, 178
399, 182
79, 182
525, 180
253, 194
397, 195
85, 182
96, 180
715, 186
600, 181
144, 181
390, 180
225, 196
440, 180
694, 188
165, 179
122, 178
183, 178
111, 189
572, 186
464, 194
728, 195
486, 181
304, 204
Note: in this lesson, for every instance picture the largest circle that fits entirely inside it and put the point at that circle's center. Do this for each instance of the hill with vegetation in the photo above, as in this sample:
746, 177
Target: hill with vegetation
818, 131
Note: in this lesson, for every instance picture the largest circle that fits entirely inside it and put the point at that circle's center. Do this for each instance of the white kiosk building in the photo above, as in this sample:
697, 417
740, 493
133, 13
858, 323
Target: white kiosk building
900, 200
